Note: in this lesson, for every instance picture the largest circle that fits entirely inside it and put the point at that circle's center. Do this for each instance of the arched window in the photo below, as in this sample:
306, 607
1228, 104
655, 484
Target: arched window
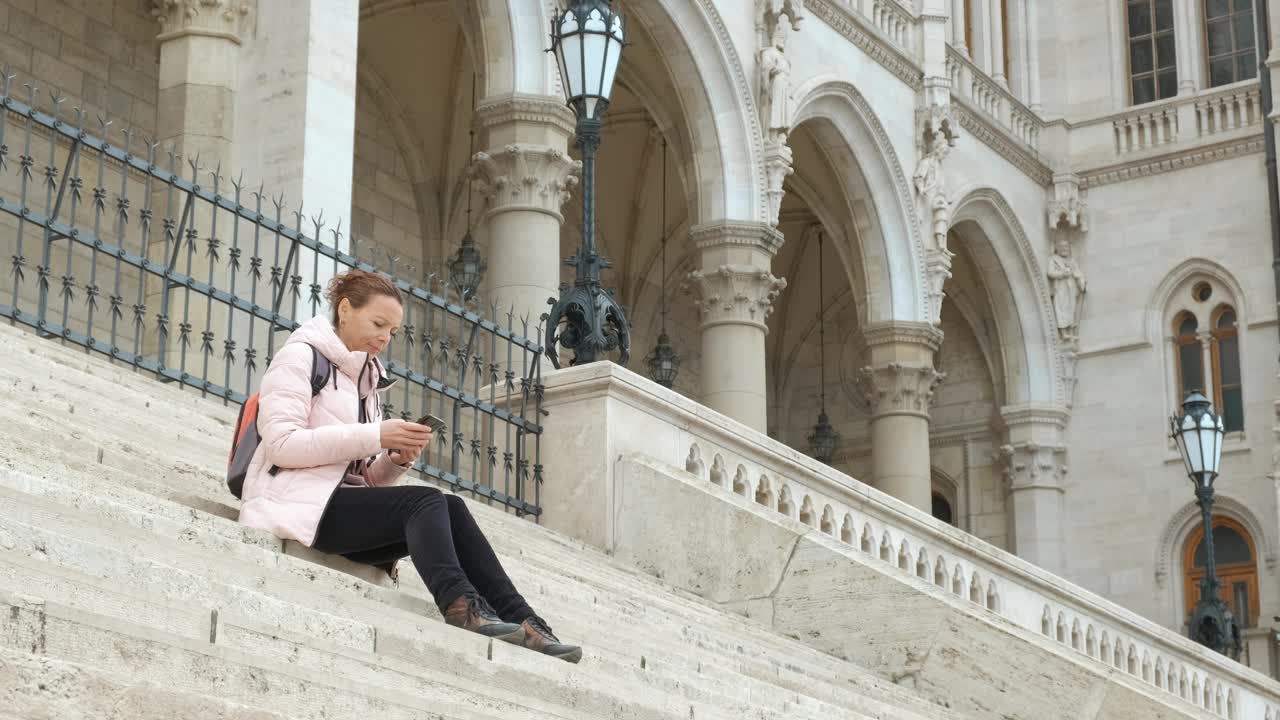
1153, 73
1190, 359
942, 509
1234, 554
1229, 41
1224, 353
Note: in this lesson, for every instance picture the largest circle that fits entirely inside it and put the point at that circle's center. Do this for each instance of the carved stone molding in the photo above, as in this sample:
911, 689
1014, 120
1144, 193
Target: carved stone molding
730, 232
548, 110
213, 18
1171, 162
899, 388
1067, 204
938, 266
738, 294
997, 139
903, 332
856, 31
777, 166
525, 177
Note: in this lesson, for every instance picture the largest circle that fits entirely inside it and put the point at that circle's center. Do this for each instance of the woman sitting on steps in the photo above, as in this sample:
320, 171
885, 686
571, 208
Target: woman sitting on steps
321, 477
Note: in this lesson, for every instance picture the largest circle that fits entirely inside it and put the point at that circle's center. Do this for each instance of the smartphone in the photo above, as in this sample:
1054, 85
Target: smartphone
436, 424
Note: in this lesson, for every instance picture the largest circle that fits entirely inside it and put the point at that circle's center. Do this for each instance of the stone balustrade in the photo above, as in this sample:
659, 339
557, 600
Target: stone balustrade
1228, 110
975, 89
604, 413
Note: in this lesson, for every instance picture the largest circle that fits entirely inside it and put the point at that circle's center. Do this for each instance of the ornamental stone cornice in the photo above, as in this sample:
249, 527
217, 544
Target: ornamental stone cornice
734, 294
909, 333
210, 18
518, 107
855, 30
1173, 161
996, 139
729, 232
523, 176
899, 388
1035, 414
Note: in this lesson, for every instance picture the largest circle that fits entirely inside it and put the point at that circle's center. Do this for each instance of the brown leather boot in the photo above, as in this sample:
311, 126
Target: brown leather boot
538, 637
471, 612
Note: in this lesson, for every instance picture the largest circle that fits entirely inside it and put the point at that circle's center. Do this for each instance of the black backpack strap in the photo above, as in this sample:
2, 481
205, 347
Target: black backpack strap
321, 371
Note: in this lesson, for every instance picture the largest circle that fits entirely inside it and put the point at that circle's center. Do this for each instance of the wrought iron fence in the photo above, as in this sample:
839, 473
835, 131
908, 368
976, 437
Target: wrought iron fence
169, 267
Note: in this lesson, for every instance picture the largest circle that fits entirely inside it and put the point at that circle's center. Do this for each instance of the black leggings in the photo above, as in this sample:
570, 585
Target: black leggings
380, 525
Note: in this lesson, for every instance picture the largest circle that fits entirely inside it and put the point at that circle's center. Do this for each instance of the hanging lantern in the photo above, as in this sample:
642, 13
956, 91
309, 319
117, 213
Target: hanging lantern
466, 268
823, 439
663, 362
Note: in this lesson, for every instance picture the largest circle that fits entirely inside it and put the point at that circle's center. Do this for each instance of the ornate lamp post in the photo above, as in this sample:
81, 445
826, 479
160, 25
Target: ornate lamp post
662, 361
823, 439
1198, 432
467, 266
587, 39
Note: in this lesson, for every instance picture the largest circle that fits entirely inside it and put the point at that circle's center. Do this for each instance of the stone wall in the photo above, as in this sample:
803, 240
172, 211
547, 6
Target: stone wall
101, 54
384, 208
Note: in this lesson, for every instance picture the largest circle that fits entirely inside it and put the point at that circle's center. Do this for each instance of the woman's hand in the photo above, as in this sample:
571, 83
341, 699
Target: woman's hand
405, 441
405, 437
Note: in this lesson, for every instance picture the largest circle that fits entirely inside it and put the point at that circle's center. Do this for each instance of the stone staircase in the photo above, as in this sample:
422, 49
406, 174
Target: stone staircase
127, 589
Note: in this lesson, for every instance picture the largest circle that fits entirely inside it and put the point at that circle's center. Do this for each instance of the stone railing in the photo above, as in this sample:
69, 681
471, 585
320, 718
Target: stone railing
1228, 110
1220, 115
604, 412
976, 89
892, 19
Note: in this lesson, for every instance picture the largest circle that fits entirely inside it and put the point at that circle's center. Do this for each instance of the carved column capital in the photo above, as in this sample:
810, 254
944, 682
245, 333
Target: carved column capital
936, 119
522, 176
1030, 466
899, 388
212, 18
734, 294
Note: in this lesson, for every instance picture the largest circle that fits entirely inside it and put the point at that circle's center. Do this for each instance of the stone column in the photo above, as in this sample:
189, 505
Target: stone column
1018, 49
1034, 458
200, 48
734, 291
525, 176
982, 33
296, 123
995, 8
898, 384
959, 21
199, 74
1033, 57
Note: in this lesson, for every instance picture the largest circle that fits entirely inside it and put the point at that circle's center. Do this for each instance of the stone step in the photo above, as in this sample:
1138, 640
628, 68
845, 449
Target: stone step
24, 350
35, 686
157, 578
632, 612
126, 649
584, 577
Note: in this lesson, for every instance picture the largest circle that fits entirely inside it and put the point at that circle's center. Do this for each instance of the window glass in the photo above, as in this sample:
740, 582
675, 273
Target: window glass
1229, 548
1229, 39
1153, 71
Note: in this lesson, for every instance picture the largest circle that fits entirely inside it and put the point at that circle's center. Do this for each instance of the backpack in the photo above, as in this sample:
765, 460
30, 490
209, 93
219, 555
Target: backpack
246, 439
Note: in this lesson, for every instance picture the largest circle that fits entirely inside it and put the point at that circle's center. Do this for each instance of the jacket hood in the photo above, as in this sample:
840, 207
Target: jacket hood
357, 365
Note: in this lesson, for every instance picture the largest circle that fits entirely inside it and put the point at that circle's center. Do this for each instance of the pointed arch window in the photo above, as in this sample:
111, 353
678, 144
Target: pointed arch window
1235, 556
1189, 356
1224, 353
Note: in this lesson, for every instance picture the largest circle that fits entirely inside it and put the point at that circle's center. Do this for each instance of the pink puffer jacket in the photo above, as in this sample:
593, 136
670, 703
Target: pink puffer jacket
313, 441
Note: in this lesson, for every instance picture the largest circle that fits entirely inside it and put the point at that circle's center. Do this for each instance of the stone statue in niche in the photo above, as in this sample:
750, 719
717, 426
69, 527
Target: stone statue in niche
1068, 286
775, 83
931, 184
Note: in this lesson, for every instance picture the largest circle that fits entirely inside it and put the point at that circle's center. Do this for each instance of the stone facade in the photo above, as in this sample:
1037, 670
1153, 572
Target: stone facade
1012, 206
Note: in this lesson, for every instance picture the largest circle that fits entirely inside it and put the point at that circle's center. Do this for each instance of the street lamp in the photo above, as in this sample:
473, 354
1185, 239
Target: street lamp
1198, 432
587, 39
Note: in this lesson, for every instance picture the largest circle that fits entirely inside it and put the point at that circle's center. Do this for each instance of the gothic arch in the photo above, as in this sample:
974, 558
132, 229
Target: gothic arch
890, 246
1019, 295
717, 104
1187, 519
